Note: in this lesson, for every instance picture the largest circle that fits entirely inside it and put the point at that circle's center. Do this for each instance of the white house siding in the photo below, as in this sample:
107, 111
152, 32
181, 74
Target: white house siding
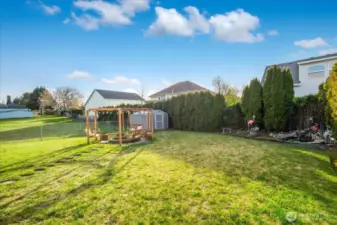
96, 100
309, 83
15, 113
169, 95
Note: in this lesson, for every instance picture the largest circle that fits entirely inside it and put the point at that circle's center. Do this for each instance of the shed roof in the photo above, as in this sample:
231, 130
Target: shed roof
118, 95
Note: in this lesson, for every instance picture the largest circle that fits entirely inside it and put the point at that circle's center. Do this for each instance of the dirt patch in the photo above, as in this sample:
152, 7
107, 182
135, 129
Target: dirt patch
7, 182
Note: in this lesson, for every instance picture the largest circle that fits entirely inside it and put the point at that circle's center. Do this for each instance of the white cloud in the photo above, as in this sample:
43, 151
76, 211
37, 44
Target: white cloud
166, 83
273, 33
50, 10
131, 90
130, 7
66, 21
313, 43
121, 80
86, 21
327, 51
236, 26
112, 14
79, 75
171, 22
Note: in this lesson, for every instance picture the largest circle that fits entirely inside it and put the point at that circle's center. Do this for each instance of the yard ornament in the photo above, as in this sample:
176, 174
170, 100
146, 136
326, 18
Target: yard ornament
251, 122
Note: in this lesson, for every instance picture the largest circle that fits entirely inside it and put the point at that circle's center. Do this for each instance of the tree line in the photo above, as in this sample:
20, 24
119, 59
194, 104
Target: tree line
272, 104
61, 99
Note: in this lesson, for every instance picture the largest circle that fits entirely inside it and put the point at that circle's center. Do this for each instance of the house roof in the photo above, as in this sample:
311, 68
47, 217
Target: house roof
118, 95
183, 86
293, 69
293, 66
107, 94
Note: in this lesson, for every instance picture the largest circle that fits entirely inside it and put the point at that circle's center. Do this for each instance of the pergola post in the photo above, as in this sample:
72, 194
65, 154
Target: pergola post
120, 126
95, 124
87, 125
122, 120
148, 120
129, 119
152, 122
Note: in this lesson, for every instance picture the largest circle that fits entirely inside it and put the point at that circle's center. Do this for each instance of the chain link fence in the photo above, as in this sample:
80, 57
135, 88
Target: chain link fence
58, 130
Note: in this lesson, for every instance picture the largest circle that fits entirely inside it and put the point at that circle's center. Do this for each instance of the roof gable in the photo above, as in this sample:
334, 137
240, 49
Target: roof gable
180, 87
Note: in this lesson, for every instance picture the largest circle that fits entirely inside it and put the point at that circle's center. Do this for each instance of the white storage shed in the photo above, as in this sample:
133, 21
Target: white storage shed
160, 119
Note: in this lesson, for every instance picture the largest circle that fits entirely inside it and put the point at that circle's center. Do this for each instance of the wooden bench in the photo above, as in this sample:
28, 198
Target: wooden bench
226, 130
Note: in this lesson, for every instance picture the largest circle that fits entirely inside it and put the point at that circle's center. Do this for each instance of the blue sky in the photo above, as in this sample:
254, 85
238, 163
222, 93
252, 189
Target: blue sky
126, 44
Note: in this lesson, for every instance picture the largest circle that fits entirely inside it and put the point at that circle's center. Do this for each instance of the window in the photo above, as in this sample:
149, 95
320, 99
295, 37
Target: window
316, 68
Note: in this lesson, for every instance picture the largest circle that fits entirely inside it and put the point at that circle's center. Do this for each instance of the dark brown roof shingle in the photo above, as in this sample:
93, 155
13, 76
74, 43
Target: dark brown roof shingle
180, 87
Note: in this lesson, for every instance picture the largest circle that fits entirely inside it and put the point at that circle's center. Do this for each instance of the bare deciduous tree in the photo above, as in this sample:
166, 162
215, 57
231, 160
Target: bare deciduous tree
217, 83
67, 97
224, 88
142, 93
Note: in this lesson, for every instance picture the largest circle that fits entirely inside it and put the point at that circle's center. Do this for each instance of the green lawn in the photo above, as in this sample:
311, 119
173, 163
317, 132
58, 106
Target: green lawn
181, 177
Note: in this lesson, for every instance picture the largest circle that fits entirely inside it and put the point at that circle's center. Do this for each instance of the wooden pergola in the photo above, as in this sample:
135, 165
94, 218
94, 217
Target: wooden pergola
120, 113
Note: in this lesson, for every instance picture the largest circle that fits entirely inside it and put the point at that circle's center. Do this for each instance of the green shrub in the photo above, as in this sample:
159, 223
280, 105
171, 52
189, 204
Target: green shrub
330, 88
278, 94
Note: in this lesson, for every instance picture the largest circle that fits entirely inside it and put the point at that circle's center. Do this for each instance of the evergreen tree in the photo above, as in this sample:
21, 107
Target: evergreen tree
255, 101
278, 94
330, 88
268, 96
245, 102
289, 93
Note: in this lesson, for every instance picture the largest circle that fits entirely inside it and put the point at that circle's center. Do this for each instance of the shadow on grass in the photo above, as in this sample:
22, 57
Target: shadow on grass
275, 165
37, 160
102, 178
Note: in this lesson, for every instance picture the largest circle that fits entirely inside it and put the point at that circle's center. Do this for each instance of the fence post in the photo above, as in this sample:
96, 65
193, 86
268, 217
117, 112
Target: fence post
41, 132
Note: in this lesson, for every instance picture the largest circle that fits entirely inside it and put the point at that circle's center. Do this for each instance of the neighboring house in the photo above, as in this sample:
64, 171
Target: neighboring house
309, 73
12, 111
184, 87
103, 98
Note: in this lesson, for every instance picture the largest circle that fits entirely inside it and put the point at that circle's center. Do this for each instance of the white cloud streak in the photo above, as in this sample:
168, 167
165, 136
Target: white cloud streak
79, 75
273, 33
327, 51
109, 14
50, 10
121, 80
234, 26
313, 43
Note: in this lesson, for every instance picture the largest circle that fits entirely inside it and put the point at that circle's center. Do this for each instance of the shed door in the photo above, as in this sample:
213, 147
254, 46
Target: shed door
159, 121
